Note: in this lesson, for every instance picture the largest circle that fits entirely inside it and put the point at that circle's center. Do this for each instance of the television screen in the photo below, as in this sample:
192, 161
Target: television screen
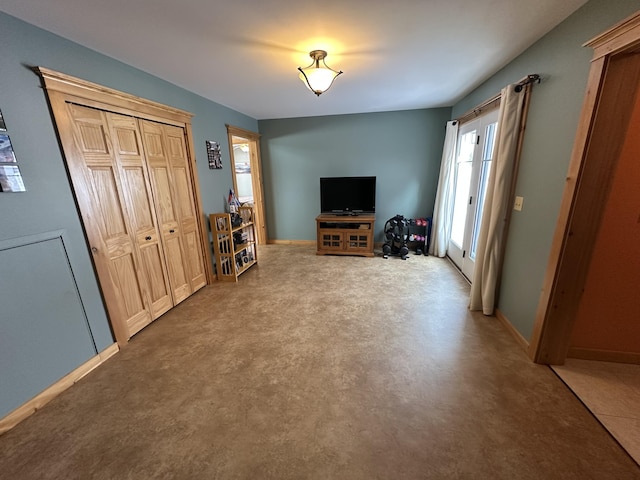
348, 195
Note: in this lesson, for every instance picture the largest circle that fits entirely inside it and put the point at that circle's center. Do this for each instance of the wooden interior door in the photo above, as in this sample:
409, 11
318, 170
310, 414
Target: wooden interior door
169, 173
141, 214
116, 207
104, 150
185, 203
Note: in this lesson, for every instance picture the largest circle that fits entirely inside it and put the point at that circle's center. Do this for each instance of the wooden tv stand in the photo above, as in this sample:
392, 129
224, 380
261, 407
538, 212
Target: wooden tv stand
345, 234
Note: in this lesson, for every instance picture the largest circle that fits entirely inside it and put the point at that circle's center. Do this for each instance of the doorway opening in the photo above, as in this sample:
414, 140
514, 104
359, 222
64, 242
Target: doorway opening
246, 170
602, 130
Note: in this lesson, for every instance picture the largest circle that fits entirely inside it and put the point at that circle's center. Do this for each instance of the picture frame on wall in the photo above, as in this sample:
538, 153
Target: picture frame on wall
3, 126
214, 156
6, 150
11, 179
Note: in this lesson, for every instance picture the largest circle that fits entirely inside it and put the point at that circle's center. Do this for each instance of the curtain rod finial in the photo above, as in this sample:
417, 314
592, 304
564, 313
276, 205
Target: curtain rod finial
531, 78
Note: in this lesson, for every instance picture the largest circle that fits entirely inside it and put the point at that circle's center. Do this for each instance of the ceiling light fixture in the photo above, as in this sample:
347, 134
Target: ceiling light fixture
318, 77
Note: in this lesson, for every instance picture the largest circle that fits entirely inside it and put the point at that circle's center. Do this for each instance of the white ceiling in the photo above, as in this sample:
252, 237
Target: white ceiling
395, 54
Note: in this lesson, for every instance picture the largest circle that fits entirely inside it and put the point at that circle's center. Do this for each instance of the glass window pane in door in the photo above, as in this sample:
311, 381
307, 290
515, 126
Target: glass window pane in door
487, 156
462, 185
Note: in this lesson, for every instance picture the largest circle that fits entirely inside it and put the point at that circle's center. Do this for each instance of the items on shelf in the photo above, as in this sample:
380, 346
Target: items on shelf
420, 230
234, 203
234, 242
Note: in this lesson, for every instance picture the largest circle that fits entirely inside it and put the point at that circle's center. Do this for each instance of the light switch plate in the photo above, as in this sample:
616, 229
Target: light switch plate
517, 205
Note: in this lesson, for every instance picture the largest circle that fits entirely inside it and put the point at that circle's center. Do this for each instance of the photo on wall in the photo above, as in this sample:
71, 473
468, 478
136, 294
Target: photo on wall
11, 179
214, 156
6, 150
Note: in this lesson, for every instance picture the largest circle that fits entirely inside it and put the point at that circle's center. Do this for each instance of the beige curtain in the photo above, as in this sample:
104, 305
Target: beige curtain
443, 208
497, 206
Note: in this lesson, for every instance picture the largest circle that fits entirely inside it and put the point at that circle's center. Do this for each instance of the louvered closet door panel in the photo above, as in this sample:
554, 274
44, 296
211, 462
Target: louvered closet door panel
167, 209
141, 212
188, 219
102, 202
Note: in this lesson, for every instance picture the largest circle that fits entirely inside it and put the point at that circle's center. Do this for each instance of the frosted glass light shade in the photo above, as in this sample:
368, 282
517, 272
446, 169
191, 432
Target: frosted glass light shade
318, 77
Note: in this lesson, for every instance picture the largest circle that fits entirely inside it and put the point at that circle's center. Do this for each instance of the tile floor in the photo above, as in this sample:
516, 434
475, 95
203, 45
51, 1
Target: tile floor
612, 392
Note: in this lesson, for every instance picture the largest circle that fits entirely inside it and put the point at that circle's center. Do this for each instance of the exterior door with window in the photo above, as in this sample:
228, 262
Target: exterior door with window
473, 163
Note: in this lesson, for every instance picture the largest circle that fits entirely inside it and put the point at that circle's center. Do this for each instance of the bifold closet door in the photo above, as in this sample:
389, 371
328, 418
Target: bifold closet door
168, 163
111, 181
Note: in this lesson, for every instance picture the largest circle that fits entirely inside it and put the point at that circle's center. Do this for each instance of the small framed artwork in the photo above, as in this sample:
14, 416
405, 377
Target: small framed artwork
3, 127
6, 150
11, 179
213, 155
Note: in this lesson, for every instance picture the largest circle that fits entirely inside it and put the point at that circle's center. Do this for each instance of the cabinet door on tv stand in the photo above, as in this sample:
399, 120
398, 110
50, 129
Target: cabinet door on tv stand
331, 240
358, 241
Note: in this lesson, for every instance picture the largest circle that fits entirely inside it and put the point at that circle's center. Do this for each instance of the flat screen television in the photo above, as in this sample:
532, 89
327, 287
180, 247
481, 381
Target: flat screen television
348, 195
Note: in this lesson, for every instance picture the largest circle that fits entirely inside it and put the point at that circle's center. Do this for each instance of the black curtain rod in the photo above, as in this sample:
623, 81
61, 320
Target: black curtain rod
531, 78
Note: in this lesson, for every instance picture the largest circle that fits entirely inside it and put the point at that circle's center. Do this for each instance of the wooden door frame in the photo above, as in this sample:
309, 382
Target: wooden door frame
60, 89
257, 183
612, 83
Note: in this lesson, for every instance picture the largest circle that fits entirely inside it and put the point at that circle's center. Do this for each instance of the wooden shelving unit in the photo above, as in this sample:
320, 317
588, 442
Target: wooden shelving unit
234, 243
345, 235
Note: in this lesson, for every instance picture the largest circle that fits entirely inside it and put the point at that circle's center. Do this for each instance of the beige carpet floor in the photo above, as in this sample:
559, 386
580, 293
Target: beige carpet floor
319, 368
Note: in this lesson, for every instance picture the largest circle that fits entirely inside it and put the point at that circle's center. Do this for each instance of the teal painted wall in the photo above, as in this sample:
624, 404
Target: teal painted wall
402, 149
46, 336
553, 118
48, 204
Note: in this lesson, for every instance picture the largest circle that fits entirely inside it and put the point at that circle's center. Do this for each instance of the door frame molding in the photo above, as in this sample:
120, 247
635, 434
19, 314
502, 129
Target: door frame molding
601, 131
257, 183
60, 89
